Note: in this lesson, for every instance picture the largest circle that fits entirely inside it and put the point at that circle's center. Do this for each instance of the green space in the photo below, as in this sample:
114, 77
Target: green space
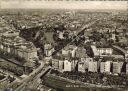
49, 37
65, 85
69, 81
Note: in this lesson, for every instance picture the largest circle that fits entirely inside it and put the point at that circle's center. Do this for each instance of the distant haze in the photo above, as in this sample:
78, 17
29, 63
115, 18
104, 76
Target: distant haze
22, 4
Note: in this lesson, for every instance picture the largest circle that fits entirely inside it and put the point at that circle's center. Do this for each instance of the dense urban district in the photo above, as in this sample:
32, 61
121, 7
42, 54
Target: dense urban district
54, 50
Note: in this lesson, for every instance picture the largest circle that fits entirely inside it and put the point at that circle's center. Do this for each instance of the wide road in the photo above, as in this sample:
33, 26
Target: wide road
36, 74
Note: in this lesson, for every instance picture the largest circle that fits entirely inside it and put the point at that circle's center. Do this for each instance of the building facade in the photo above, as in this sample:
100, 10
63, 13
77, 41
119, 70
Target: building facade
81, 66
105, 51
116, 68
105, 67
92, 66
67, 65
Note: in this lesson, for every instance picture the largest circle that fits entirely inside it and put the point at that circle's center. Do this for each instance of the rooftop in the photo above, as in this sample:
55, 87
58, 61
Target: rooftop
121, 49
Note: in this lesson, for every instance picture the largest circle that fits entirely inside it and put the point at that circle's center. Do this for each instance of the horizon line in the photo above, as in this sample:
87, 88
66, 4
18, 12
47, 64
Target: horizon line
91, 5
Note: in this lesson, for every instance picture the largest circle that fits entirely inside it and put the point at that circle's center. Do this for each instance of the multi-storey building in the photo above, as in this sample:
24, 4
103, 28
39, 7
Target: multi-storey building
55, 63
105, 67
67, 65
16, 46
105, 51
101, 51
69, 50
92, 66
48, 49
81, 66
74, 63
117, 66
81, 52
61, 65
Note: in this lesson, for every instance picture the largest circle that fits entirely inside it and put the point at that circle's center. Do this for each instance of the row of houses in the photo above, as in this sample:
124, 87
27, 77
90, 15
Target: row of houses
88, 64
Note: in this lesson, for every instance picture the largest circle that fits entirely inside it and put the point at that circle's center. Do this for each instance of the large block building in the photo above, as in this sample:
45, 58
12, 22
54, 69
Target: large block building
16, 46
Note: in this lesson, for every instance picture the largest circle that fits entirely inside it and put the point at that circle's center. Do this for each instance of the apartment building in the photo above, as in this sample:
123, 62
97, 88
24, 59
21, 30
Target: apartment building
105, 67
92, 66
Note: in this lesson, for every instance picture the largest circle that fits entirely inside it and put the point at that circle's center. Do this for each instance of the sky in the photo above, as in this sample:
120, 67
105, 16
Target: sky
71, 4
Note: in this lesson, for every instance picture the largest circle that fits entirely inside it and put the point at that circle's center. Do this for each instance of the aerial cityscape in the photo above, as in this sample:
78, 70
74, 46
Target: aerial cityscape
63, 50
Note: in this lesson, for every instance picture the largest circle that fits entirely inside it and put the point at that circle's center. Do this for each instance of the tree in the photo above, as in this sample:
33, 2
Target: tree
96, 36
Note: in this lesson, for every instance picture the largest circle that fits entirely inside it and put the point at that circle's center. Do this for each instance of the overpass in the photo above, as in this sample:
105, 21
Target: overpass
35, 82
32, 80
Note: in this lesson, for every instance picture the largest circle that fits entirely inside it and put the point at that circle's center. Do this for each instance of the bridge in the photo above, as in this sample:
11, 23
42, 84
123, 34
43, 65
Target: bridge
35, 82
32, 80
